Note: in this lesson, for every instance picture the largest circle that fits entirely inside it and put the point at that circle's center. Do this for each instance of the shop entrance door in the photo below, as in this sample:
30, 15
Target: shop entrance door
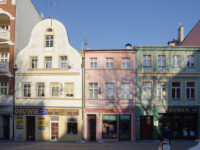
54, 131
30, 128
6, 125
1, 127
91, 127
124, 127
146, 127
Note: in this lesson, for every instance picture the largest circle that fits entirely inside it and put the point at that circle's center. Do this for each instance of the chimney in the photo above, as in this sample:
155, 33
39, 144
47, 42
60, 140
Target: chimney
181, 34
128, 46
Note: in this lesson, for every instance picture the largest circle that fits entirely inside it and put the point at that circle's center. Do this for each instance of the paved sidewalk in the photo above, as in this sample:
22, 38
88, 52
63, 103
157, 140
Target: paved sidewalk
141, 145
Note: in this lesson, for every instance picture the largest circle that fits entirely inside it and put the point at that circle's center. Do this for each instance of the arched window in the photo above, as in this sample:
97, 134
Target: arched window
49, 38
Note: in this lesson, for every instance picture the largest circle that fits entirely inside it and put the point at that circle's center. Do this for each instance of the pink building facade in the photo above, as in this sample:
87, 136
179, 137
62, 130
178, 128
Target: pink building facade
110, 92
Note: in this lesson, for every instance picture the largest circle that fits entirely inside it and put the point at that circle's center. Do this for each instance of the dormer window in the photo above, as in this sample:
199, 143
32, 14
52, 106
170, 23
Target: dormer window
49, 38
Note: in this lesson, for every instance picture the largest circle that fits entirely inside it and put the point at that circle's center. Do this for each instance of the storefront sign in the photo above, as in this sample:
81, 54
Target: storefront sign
41, 123
110, 111
63, 112
19, 135
30, 111
19, 123
182, 110
125, 117
109, 117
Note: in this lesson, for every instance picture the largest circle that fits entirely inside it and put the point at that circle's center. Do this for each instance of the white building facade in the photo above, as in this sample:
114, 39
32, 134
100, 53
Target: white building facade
48, 86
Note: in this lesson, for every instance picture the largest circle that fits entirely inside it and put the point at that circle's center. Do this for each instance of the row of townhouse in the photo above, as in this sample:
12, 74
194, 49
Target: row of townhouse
53, 92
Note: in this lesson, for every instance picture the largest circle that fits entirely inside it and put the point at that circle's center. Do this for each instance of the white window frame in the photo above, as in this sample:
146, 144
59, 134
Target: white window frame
125, 63
69, 92
57, 88
109, 91
125, 90
176, 89
49, 40
93, 89
40, 89
4, 88
4, 57
176, 61
93, 63
2, 1
146, 60
190, 61
161, 90
34, 62
161, 60
147, 90
63, 62
190, 88
48, 63
27, 89
109, 63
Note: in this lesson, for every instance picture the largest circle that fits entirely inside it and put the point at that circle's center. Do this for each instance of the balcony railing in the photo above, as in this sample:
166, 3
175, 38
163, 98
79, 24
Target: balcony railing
4, 34
6, 100
4, 67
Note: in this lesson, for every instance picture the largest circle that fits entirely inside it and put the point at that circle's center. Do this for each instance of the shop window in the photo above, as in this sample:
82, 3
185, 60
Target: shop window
190, 90
125, 63
63, 62
93, 90
147, 90
54, 89
93, 63
3, 88
109, 126
69, 87
125, 91
109, 91
40, 89
176, 90
161, 90
48, 62
72, 126
27, 90
33, 62
109, 63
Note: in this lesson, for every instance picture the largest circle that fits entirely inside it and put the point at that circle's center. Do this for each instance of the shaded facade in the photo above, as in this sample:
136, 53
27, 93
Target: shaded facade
167, 91
109, 94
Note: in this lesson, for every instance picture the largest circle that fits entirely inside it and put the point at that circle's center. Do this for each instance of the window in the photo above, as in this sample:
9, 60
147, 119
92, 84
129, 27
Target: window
162, 90
93, 90
63, 62
69, 87
33, 62
27, 90
109, 91
49, 41
4, 57
3, 88
125, 90
54, 89
190, 61
48, 62
125, 63
93, 63
176, 61
146, 60
109, 63
176, 90
190, 90
2, 1
146, 90
161, 61
40, 89
72, 126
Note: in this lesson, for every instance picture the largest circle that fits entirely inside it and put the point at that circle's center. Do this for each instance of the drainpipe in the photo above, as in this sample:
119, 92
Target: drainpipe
15, 69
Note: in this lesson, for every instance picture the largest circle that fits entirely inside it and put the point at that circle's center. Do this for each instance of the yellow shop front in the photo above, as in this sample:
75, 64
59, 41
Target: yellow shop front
44, 124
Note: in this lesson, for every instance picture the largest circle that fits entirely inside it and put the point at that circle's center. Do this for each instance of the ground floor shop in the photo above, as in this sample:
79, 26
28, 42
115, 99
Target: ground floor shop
55, 124
183, 122
109, 124
6, 123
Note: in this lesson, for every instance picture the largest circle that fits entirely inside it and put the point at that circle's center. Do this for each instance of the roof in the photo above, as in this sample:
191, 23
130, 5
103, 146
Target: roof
88, 50
193, 37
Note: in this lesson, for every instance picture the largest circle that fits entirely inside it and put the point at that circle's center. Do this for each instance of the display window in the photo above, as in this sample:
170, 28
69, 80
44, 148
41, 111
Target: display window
109, 126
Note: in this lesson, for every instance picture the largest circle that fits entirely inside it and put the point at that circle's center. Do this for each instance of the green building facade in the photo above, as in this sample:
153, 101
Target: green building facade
168, 79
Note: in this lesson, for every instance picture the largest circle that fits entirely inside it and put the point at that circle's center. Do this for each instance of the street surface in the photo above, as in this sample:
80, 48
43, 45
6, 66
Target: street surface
141, 145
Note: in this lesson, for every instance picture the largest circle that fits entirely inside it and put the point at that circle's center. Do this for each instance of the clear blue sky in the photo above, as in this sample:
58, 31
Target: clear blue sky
110, 24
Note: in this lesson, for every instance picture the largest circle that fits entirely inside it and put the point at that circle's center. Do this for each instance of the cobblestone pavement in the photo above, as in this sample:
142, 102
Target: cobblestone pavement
142, 145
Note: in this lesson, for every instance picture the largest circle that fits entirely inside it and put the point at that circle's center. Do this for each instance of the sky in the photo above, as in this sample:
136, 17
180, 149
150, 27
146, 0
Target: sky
110, 24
